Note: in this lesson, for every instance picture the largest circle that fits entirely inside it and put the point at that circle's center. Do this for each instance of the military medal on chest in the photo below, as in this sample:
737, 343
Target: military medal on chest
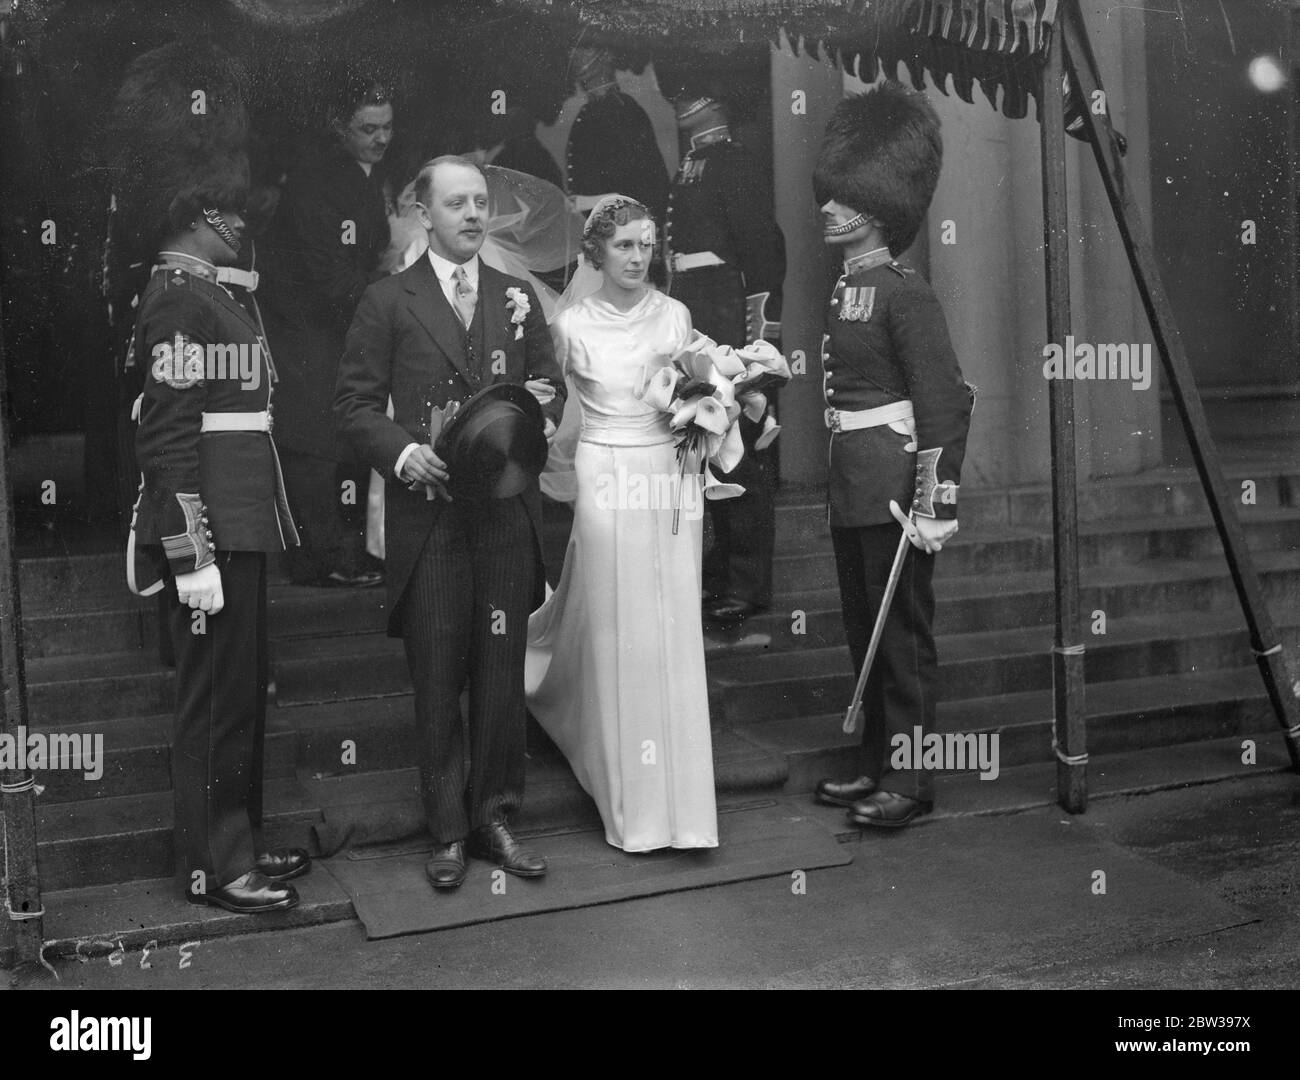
691, 170
857, 303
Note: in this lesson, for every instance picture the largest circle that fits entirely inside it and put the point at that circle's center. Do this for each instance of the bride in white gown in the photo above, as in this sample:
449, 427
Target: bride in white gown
615, 668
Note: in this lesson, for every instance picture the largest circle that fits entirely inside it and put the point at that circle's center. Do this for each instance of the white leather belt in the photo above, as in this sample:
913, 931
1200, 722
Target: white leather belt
237, 421
868, 418
696, 260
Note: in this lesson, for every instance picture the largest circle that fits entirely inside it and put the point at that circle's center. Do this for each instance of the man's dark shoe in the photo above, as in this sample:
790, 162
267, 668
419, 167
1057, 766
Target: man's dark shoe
887, 810
493, 843
251, 894
730, 611
282, 864
844, 792
446, 866
362, 579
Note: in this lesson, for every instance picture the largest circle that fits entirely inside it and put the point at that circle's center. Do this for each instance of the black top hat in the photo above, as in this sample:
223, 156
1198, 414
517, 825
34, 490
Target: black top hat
495, 446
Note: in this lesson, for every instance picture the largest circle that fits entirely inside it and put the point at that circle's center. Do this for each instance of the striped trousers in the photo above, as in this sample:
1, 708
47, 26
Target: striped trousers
464, 621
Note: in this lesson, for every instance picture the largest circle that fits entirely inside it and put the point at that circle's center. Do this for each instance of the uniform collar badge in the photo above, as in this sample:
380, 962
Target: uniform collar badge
710, 136
868, 260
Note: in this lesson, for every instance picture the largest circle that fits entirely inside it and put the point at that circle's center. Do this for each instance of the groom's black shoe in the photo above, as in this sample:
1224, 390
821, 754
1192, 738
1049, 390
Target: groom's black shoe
844, 792
493, 843
446, 866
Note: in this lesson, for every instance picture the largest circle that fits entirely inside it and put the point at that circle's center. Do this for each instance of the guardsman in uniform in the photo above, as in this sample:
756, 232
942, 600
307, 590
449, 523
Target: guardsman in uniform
898, 410
211, 501
726, 258
612, 145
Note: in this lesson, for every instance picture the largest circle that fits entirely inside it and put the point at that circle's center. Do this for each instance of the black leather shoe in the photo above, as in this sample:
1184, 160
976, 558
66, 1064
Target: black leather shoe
729, 611
887, 810
363, 579
493, 843
446, 866
282, 864
844, 792
251, 894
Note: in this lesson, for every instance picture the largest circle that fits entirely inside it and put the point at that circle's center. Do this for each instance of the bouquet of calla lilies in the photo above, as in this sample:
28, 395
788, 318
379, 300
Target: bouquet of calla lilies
704, 389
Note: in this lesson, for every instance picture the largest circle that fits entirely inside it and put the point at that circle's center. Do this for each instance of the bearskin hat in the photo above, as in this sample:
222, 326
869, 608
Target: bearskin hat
178, 140
881, 156
739, 83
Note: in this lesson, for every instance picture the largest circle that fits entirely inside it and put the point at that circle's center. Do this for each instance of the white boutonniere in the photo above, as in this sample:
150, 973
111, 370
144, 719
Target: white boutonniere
518, 306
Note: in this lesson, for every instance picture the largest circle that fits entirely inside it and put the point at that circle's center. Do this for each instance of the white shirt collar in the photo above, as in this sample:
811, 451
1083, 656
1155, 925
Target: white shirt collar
445, 268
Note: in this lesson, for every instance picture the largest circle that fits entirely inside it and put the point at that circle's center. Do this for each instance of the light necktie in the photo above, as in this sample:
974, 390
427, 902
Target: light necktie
464, 296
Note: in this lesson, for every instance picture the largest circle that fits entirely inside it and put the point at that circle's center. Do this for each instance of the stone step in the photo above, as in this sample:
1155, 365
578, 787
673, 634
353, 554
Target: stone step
78, 689
100, 841
132, 626
98, 579
1162, 492
317, 612
1123, 716
1022, 599
753, 688
1101, 545
66, 690
137, 757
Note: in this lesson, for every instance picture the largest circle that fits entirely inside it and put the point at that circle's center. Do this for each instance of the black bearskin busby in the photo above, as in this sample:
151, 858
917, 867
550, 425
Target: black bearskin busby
881, 156
740, 84
177, 141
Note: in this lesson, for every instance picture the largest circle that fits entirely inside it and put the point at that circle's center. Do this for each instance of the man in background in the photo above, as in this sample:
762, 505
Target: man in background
324, 247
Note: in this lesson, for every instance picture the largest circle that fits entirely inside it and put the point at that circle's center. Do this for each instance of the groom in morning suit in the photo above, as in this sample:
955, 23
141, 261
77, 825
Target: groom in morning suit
463, 573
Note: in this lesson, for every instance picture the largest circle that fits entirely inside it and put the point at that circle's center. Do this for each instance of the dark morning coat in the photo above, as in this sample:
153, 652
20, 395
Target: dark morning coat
901, 351
323, 249
406, 341
201, 493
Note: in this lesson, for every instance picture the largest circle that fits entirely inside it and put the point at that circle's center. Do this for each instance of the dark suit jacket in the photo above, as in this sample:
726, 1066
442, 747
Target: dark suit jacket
406, 342
311, 283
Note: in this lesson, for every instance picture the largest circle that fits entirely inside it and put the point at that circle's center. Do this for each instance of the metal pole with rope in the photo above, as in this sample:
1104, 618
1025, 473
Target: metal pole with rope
22, 934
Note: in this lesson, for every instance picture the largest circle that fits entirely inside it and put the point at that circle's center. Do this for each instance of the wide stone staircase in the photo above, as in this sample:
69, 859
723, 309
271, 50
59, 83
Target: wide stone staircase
1173, 666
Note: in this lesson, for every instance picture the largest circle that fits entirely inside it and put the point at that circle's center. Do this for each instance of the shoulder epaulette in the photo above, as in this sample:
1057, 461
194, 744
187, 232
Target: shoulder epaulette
901, 271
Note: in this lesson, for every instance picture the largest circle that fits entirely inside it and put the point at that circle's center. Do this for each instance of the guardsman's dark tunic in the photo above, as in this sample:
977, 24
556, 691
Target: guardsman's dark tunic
887, 343
612, 149
721, 203
210, 493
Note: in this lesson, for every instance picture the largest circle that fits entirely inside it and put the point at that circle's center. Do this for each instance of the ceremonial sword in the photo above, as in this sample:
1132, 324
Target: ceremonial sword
855, 706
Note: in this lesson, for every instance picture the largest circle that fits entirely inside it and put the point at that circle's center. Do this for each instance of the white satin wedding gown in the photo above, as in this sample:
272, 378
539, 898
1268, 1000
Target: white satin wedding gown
615, 666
